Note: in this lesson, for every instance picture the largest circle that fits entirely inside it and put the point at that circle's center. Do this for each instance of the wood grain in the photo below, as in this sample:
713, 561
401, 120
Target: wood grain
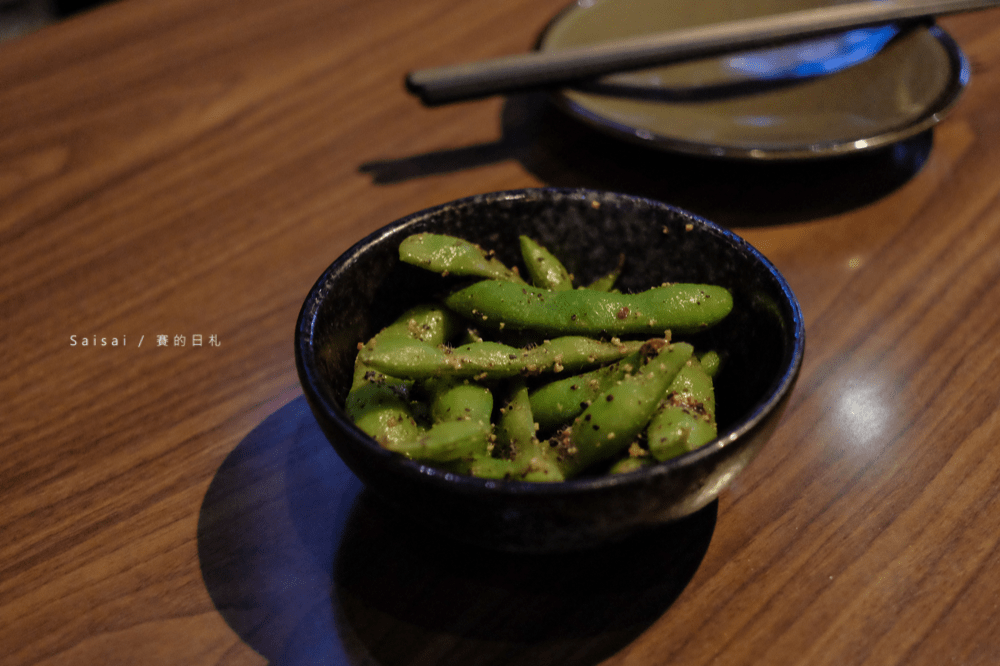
183, 168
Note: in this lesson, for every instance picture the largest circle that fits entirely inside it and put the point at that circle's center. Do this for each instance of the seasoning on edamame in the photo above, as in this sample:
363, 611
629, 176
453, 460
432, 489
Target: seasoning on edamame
686, 417
545, 271
614, 420
377, 403
455, 256
680, 308
609, 402
412, 359
516, 454
558, 402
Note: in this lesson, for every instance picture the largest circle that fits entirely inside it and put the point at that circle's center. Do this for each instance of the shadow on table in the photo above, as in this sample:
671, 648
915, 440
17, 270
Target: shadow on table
306, 567
563, 152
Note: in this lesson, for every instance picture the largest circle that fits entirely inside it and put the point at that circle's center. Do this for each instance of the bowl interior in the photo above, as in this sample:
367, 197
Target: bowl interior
369, 287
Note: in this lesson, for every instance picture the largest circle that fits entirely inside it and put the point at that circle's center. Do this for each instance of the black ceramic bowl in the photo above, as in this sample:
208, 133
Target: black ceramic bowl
761, 343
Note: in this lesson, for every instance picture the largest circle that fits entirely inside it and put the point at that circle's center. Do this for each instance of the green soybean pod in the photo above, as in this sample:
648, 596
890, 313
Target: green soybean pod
429, 323
631, 464
412, 359
515, 427
457, 400
609, 425
686, 417
681, 308
558, 402
446, 441
378, 403
517, 453
711, 362
544, 270
402, 357
607, 281
450, 255
461, 424
574, 352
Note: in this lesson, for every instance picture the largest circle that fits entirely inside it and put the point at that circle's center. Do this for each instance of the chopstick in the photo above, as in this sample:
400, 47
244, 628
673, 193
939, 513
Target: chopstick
547, 69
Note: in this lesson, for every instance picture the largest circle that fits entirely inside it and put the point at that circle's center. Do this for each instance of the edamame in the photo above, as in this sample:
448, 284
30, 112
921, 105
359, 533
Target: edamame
680, 308
618, 393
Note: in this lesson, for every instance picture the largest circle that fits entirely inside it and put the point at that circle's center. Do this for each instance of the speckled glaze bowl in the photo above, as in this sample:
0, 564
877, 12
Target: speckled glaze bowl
761, 343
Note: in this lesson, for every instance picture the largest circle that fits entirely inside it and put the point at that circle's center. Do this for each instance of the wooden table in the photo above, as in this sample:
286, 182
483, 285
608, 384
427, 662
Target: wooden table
175, 174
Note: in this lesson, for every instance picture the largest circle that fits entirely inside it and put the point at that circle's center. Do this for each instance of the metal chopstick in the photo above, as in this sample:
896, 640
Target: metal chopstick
546, 69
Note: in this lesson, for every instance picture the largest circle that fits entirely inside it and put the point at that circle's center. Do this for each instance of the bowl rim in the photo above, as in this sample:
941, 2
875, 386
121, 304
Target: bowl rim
318, 390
